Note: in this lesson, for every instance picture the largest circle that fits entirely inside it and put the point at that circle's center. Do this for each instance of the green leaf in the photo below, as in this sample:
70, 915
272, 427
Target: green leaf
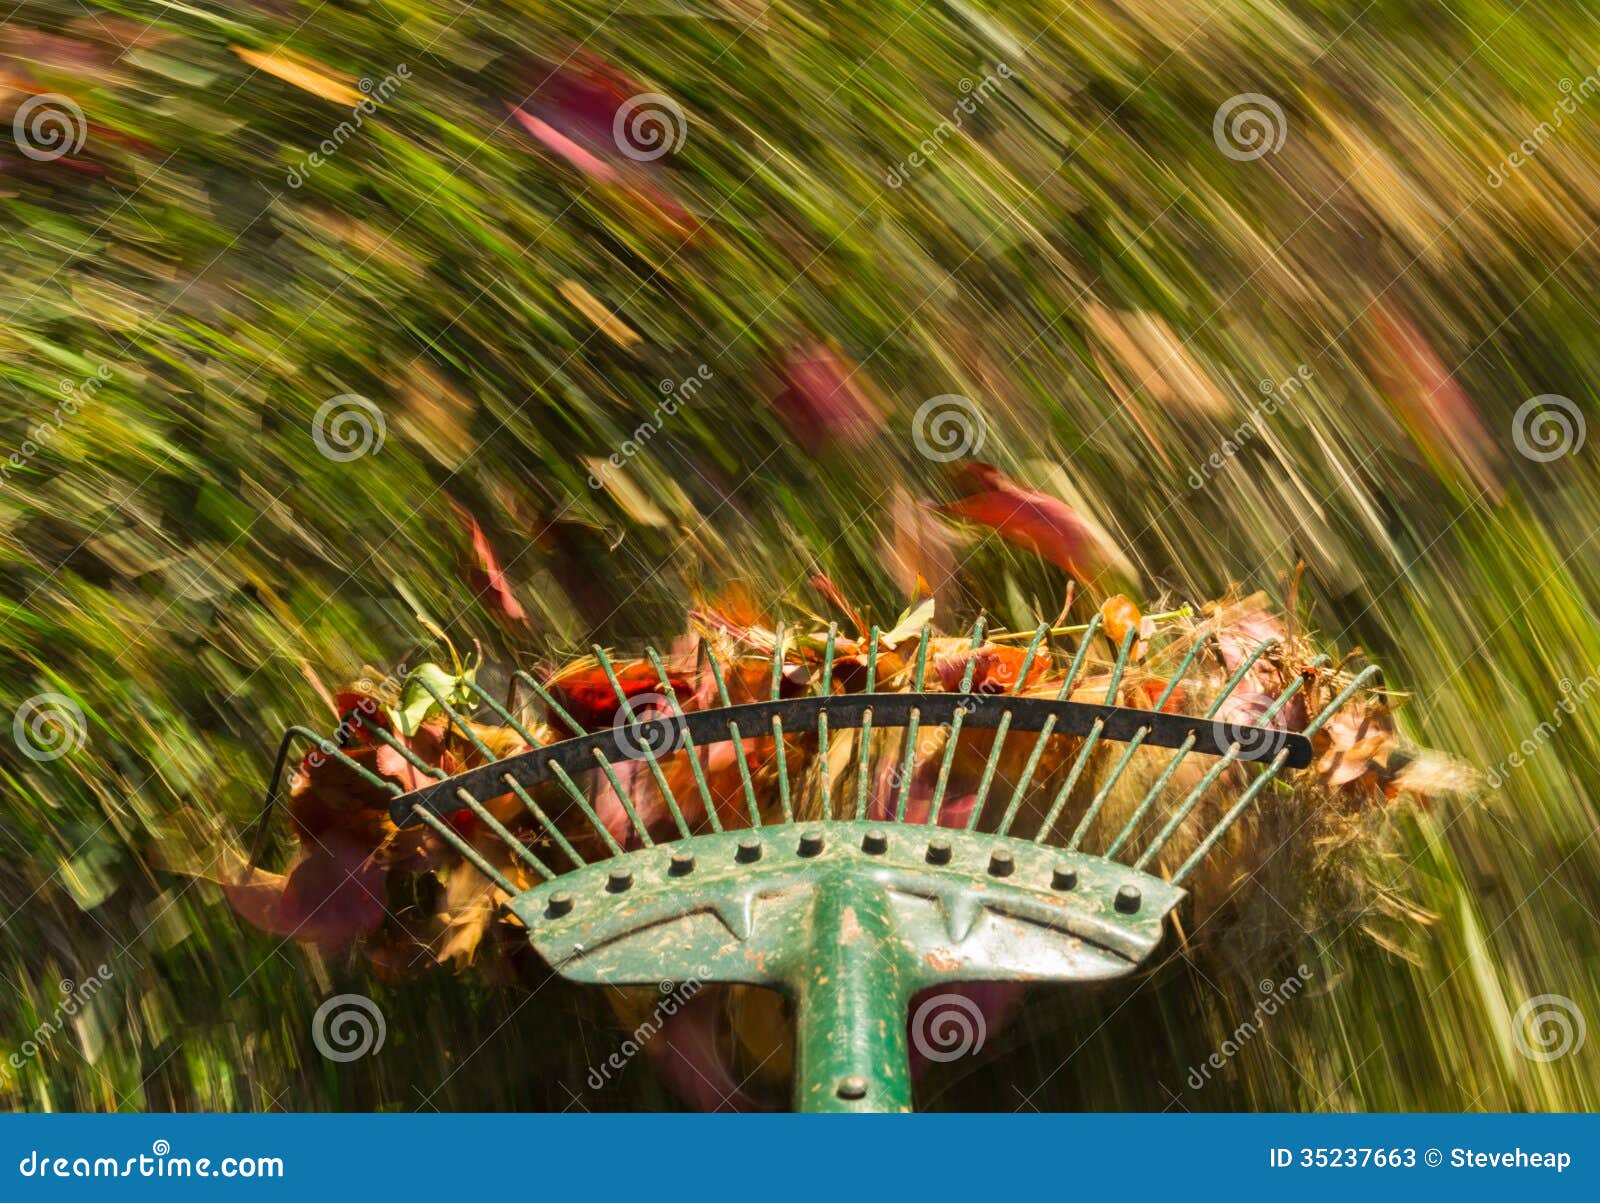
416, 703
909, 625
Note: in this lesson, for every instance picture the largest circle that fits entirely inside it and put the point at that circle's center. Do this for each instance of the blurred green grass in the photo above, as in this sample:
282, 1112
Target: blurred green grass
179, 553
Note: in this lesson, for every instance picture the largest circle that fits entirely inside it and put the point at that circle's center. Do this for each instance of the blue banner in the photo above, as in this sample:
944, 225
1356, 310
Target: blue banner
794, 1157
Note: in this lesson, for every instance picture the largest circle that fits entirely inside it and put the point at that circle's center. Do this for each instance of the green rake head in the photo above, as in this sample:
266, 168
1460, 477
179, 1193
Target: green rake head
852, 900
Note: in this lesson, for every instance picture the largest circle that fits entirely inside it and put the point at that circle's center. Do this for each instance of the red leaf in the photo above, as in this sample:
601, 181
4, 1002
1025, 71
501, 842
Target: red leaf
823, 399
1042, 524
488, 580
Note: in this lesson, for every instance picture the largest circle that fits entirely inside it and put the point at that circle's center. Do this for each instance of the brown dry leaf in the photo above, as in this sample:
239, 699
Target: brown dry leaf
586, 303
1153, 358
310, 77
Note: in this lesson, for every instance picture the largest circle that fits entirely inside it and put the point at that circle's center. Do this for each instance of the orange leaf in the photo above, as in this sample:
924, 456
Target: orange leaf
308, 77
1042, 524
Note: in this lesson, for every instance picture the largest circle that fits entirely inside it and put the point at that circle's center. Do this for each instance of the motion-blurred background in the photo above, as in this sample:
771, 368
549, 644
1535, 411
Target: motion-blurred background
552, 319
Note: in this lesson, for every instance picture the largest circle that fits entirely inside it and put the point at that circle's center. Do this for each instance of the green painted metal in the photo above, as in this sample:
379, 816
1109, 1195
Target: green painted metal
849, 918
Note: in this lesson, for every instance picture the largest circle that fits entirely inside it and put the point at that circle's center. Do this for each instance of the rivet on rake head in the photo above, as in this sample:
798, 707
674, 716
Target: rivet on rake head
682, 864
1064, 878
810, 843
749, 850
852, 1088
1128, 899
1001, 864
560, 904
938, 852
619, 880
874, 842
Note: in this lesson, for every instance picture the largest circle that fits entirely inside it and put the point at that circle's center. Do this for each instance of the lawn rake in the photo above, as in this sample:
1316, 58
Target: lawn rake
848, 898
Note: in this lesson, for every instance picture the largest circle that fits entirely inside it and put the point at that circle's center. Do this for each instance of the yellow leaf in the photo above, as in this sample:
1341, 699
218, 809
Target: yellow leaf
312, 78
586, 303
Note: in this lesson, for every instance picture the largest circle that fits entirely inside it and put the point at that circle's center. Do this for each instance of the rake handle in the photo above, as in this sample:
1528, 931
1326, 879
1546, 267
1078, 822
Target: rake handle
851, 996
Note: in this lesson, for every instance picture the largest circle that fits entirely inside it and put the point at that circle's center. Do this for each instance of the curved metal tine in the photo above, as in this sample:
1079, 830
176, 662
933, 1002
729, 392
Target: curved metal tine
688, 741
505, 715
1104, 792
780, 757
826, 691
553, 767
1089, 741
518, 848
1206, 845
1005, 726
1333, 707
866, 726
1227, 758
1160, 783
457, 720
1021, 788
328, 748
733, 732
667, 795
955, 727
443, 831
410, 757
907, 761
1268, 774
516, 787
551, 705
624, 797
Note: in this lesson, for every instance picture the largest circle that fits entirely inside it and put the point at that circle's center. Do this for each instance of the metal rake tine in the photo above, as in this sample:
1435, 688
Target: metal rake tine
866, 726
544, 820
1187, 746
511, 783
553, 767
553, 706
1216, 770
518, 848
688, 740
826, 691
505, 715
1338, 702
660, 776
471, 854
780, 755
1000, 732
1087, 749
1021, 788
912, 725
1138, 739
955, 728
457, 720
738, 741
624, 797
1267, 775
327, 747
410, 757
